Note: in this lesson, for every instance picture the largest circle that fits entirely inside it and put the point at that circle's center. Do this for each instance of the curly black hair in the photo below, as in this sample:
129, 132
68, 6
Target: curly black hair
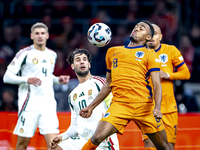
78, 51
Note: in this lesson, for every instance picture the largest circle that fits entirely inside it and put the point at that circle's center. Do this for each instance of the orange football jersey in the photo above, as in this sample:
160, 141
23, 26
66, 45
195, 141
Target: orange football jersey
129, 68
171, 58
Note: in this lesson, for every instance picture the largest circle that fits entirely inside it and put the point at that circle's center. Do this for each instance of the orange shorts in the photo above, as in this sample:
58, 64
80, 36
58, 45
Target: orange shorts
120, 114
170, 121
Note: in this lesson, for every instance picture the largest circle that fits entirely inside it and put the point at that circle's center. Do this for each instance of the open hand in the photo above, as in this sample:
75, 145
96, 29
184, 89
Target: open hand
35, 81
163, 75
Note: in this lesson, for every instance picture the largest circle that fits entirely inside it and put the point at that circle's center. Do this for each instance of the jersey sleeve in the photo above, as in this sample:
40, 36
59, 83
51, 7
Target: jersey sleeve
182, 71
71, 131
17, 61
153, 63
108, 62
14, 67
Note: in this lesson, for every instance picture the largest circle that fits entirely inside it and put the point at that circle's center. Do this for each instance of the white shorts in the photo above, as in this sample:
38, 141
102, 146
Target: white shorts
77, 142
27, 123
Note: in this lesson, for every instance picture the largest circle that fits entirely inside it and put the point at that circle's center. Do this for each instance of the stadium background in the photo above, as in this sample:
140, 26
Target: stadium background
68, 22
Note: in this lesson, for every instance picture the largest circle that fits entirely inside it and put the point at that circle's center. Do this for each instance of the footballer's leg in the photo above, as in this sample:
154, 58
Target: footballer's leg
159, 139
48, 138
22, 143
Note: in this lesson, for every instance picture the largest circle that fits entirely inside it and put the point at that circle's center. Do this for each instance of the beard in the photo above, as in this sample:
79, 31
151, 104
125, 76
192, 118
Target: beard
131, 38
82, 73
151, 46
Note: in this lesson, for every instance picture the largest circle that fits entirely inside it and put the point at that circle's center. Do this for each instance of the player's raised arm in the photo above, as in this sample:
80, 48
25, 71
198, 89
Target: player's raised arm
87, 111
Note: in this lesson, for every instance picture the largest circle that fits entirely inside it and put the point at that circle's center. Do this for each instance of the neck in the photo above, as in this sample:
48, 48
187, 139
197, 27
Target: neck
83, 79
135, 43
40, 47
157, 46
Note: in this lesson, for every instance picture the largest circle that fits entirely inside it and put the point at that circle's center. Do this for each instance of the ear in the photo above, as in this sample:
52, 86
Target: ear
148, 38
47, 35
161, 36
72, 66
89, 65
31, 36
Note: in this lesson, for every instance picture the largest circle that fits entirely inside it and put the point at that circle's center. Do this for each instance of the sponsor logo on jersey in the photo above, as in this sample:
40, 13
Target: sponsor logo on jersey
106, 115
21, 130
35, 60
75, 97
90, 92
82, 94
12, 63
139, 54
44, 61
163, 58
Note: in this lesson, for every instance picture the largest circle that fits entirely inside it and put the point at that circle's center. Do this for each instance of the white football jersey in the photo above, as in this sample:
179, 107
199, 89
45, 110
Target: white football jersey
30, 62
81, 97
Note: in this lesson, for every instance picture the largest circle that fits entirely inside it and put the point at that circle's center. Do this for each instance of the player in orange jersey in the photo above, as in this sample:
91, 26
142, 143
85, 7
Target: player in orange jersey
127, 71
170, 58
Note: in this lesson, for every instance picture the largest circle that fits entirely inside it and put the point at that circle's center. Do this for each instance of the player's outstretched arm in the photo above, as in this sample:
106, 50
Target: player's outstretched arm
157, 89
105, 91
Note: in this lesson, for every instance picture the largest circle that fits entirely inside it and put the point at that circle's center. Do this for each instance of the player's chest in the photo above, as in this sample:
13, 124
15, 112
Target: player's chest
129, 57
82, 97
165, 60
39, 60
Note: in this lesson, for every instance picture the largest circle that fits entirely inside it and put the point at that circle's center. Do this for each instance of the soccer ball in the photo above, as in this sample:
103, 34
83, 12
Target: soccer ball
99, 34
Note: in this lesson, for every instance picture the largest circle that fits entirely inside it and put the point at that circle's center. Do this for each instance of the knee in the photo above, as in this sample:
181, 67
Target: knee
148, 143
97, 139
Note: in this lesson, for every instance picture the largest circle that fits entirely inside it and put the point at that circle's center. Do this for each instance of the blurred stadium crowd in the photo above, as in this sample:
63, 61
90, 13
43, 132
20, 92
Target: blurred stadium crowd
68, 22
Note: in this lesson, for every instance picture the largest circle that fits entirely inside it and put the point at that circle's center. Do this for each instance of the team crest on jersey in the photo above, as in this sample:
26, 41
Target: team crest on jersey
75, 96
90, 92
163, 58
21, 130
35, 60
139, 54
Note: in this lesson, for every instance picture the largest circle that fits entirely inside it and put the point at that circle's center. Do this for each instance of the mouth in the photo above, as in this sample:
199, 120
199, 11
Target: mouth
82, 68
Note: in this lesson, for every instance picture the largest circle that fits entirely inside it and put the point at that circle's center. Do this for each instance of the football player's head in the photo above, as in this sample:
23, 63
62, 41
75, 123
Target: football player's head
154, 43
80, 62
142, 32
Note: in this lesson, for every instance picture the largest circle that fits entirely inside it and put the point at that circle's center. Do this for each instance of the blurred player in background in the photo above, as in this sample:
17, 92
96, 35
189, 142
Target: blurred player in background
170, 58
127, 69
32, 69
82, 129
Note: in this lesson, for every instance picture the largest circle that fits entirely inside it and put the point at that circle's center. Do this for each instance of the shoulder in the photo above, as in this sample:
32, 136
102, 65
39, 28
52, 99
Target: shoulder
52, 52
99, 79
23, 51
169, 47
114, 48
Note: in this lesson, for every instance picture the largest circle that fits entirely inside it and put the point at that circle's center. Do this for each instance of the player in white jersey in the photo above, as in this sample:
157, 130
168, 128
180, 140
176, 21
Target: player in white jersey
81, 129
32, 69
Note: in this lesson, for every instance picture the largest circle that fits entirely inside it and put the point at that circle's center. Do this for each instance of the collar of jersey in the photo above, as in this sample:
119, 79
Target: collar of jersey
158, 48
134, 47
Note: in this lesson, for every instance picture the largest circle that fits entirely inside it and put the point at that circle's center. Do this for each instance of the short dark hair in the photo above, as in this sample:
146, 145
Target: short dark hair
151, 27
78, 51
